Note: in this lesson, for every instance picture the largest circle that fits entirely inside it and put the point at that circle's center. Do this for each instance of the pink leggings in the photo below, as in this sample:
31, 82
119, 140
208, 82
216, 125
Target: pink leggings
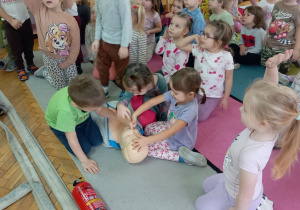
217, 197
146, 117
160, 149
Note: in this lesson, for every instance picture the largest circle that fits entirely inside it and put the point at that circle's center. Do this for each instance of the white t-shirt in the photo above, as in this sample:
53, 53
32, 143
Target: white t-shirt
212, 67
248, 155
73, 11
267, 8
16, 9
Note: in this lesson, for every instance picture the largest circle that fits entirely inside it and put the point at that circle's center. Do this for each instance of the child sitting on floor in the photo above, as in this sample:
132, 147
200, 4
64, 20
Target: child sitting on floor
68, 115
248, 49
173, 58
177, 6
271, 114
173, 140
141, 85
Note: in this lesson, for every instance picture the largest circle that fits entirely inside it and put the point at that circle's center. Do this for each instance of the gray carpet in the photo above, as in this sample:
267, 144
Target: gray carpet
151, 184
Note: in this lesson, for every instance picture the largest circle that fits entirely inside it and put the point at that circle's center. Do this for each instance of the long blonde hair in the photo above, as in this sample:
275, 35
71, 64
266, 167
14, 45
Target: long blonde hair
138, 12
278, 106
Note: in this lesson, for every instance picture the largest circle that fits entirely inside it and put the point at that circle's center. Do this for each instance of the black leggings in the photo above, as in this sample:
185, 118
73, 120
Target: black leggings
248, 59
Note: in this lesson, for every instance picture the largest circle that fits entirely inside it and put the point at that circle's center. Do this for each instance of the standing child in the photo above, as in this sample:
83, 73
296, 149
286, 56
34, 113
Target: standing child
68, 115
283, 33
252, 35
218, 6
193, 10
177, 6
174, 59
138, 45
269, 111
59, 39
152, 25
237, 17
141, 85
90, 35
112, 38
173, 140
214, 64
19, 34
267, 6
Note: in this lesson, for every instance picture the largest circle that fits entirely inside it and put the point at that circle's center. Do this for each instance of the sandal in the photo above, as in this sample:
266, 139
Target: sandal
32, 68
22, 75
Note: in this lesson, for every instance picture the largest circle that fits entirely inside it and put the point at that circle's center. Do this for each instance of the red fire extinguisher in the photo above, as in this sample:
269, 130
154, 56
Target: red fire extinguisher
85, 196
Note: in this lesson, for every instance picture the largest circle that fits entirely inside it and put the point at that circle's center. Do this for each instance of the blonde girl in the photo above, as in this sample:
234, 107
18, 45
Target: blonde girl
271, 114
152, 24
173, 58
173, 140
248, 49
214, 64
141, 85
138, 45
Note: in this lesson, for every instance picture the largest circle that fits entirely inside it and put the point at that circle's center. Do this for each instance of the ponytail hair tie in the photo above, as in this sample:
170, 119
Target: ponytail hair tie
190, 17
135, 6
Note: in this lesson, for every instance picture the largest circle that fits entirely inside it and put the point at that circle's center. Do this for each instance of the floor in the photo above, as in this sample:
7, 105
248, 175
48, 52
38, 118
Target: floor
11, 174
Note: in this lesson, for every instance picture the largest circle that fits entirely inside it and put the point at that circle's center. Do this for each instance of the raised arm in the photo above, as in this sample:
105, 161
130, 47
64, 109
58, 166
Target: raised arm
184, 44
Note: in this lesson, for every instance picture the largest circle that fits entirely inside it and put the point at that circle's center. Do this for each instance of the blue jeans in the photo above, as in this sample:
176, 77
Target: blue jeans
88, 135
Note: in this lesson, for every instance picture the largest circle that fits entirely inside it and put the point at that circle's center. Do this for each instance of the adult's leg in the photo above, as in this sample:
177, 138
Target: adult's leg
14, 40
27, 41
103, 63
204, 110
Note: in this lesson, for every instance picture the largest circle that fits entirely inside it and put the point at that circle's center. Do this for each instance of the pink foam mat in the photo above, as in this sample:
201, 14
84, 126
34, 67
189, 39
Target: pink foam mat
155, 63
216, 134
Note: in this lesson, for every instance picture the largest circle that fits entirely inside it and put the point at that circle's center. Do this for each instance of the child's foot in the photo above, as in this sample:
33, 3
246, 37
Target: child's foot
283, 79
2, 64
79, 69
192, 158
32, 68
11, 66
237, 66
22, 75
40, 71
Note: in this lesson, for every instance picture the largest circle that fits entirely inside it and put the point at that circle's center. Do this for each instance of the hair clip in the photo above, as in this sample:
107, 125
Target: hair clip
135, 6
190, 17
225, 46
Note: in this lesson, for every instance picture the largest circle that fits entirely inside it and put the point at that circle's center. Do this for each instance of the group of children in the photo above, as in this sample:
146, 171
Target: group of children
170, 105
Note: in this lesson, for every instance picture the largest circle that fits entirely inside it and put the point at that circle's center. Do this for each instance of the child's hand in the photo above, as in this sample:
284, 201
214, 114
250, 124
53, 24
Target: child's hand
166, 34
295, 55
90, 166
123, 52
243, 49
123, 111
198, 40
95, 45
63, 65
224, 104
147, 32
169, 15
15, 23
132, 124
140, 142
277, 59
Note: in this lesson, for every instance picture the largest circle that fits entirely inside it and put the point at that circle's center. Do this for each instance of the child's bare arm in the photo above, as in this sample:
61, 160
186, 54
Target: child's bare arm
271, 72
16, 24
105, 112
157, 28
143, 140
228, 87
297, 45
88, 165
184, 44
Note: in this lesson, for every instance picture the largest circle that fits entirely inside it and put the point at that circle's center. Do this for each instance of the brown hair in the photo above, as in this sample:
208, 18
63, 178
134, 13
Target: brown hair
138, 12
137, 74
225, 3
86, 91
189, 19
155, 5
278, 106
180, 1
187, 80
222, 32
259, 16
83, 2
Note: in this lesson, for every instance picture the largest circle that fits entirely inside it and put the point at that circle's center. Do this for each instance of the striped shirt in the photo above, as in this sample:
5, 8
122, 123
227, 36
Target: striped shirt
138, 48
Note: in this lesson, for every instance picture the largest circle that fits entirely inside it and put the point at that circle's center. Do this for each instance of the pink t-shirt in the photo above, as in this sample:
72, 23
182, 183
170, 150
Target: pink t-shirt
248, 155
173, 60
212, 67
150, 24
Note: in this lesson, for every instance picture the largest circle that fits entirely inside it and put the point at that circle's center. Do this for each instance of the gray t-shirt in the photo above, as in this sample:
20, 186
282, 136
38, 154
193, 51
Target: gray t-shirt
188, 113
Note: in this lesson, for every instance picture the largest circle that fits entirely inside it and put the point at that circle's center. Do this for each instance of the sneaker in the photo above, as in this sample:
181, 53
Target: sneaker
11, 66
283, 79
237, 66
2, 64
32, 68
22, 75
192, 158
39, 72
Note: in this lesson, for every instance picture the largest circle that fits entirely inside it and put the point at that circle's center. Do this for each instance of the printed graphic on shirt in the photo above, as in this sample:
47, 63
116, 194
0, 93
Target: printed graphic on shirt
171, 117
249, 41
58, 39
227, 160
281, 26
